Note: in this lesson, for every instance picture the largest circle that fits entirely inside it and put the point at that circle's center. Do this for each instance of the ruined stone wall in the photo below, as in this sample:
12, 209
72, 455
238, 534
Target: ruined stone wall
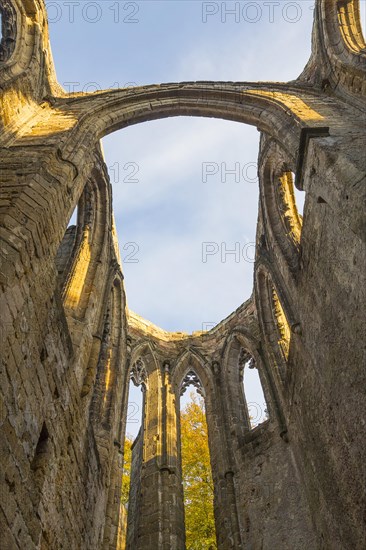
254, 470
68, 345
60, 421
327, 405
319, 390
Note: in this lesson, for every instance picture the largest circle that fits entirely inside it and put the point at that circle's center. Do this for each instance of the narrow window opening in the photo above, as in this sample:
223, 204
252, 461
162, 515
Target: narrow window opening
299, 196
66, 247
132, 456
196, 469
253, 394
74, 217
73, 260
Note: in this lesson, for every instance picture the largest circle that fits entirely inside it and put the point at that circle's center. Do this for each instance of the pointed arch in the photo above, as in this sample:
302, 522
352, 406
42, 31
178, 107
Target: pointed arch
192, 361
225, 511
89, 249
276, 320
338, 56
153, 400
105, 376
144, 350
342, 20
110, 362
281, 217
240, 341
101, 113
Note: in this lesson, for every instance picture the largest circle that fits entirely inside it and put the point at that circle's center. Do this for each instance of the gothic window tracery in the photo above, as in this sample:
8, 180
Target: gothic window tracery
138, 373
191, 378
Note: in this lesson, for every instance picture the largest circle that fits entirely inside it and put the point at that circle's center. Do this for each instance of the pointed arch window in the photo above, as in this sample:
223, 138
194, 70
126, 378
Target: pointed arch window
256, 411
198, 488
282, 203
81, 250
277, 321
65, 250
133, 453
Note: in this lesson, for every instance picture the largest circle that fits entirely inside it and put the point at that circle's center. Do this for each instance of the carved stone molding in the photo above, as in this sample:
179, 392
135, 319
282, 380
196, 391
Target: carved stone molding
191, 378
138, 373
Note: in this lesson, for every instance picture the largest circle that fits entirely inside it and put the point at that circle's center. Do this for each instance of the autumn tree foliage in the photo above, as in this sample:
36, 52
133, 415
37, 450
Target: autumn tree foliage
197, 477
126, 475
196, 473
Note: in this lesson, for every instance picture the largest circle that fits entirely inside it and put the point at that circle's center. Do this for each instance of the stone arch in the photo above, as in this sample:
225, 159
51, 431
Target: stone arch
191, 360
137, 372
276, 320
89, 246
288, 109
342, 20
143, 349
110, 359
78, 242
105, 376
148, 470
281, 218
338, 52
26, 42
152, 417
349, 19
238, 422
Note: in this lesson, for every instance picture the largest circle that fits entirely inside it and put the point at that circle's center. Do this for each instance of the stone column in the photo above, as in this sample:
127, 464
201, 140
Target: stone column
156, 516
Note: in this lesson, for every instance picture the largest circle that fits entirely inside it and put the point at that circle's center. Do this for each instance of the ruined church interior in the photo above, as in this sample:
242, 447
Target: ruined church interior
70, 345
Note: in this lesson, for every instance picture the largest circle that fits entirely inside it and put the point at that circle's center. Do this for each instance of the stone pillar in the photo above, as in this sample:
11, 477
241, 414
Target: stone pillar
156, 518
